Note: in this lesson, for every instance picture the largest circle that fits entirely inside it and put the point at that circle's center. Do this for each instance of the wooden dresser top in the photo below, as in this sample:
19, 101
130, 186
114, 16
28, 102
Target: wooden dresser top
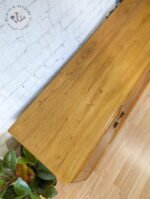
66, 121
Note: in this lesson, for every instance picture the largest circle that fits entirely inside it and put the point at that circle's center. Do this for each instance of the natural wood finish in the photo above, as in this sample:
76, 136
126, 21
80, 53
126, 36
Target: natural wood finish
124, 170
114, 127
66, 122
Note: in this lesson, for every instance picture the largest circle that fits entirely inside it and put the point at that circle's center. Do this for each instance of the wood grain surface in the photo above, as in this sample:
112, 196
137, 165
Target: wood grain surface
124, 170
67, 120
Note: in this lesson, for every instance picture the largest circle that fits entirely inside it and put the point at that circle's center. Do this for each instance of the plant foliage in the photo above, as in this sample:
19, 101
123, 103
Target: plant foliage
25, 177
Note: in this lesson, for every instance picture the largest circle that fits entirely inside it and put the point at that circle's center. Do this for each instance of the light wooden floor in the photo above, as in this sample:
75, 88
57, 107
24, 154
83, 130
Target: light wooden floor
124, 170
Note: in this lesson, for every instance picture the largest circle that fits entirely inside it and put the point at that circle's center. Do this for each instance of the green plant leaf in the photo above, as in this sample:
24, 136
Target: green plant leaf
2, 193
2, 171
8, 174
20, 197
28, 156
21, 187
44, 183
21, 151
33, 196
34, 179
2, 182
22, 160
42, 167
45, 174
50, 192
1, 166
9, 160
9, 193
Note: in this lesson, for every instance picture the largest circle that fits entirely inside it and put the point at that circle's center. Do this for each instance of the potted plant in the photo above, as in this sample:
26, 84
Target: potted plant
25, 177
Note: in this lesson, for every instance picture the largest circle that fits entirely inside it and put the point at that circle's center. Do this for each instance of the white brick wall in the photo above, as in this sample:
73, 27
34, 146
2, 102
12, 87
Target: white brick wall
30, 57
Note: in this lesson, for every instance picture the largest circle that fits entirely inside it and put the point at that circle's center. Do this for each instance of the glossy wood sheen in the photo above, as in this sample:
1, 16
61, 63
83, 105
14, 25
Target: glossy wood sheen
68, 119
